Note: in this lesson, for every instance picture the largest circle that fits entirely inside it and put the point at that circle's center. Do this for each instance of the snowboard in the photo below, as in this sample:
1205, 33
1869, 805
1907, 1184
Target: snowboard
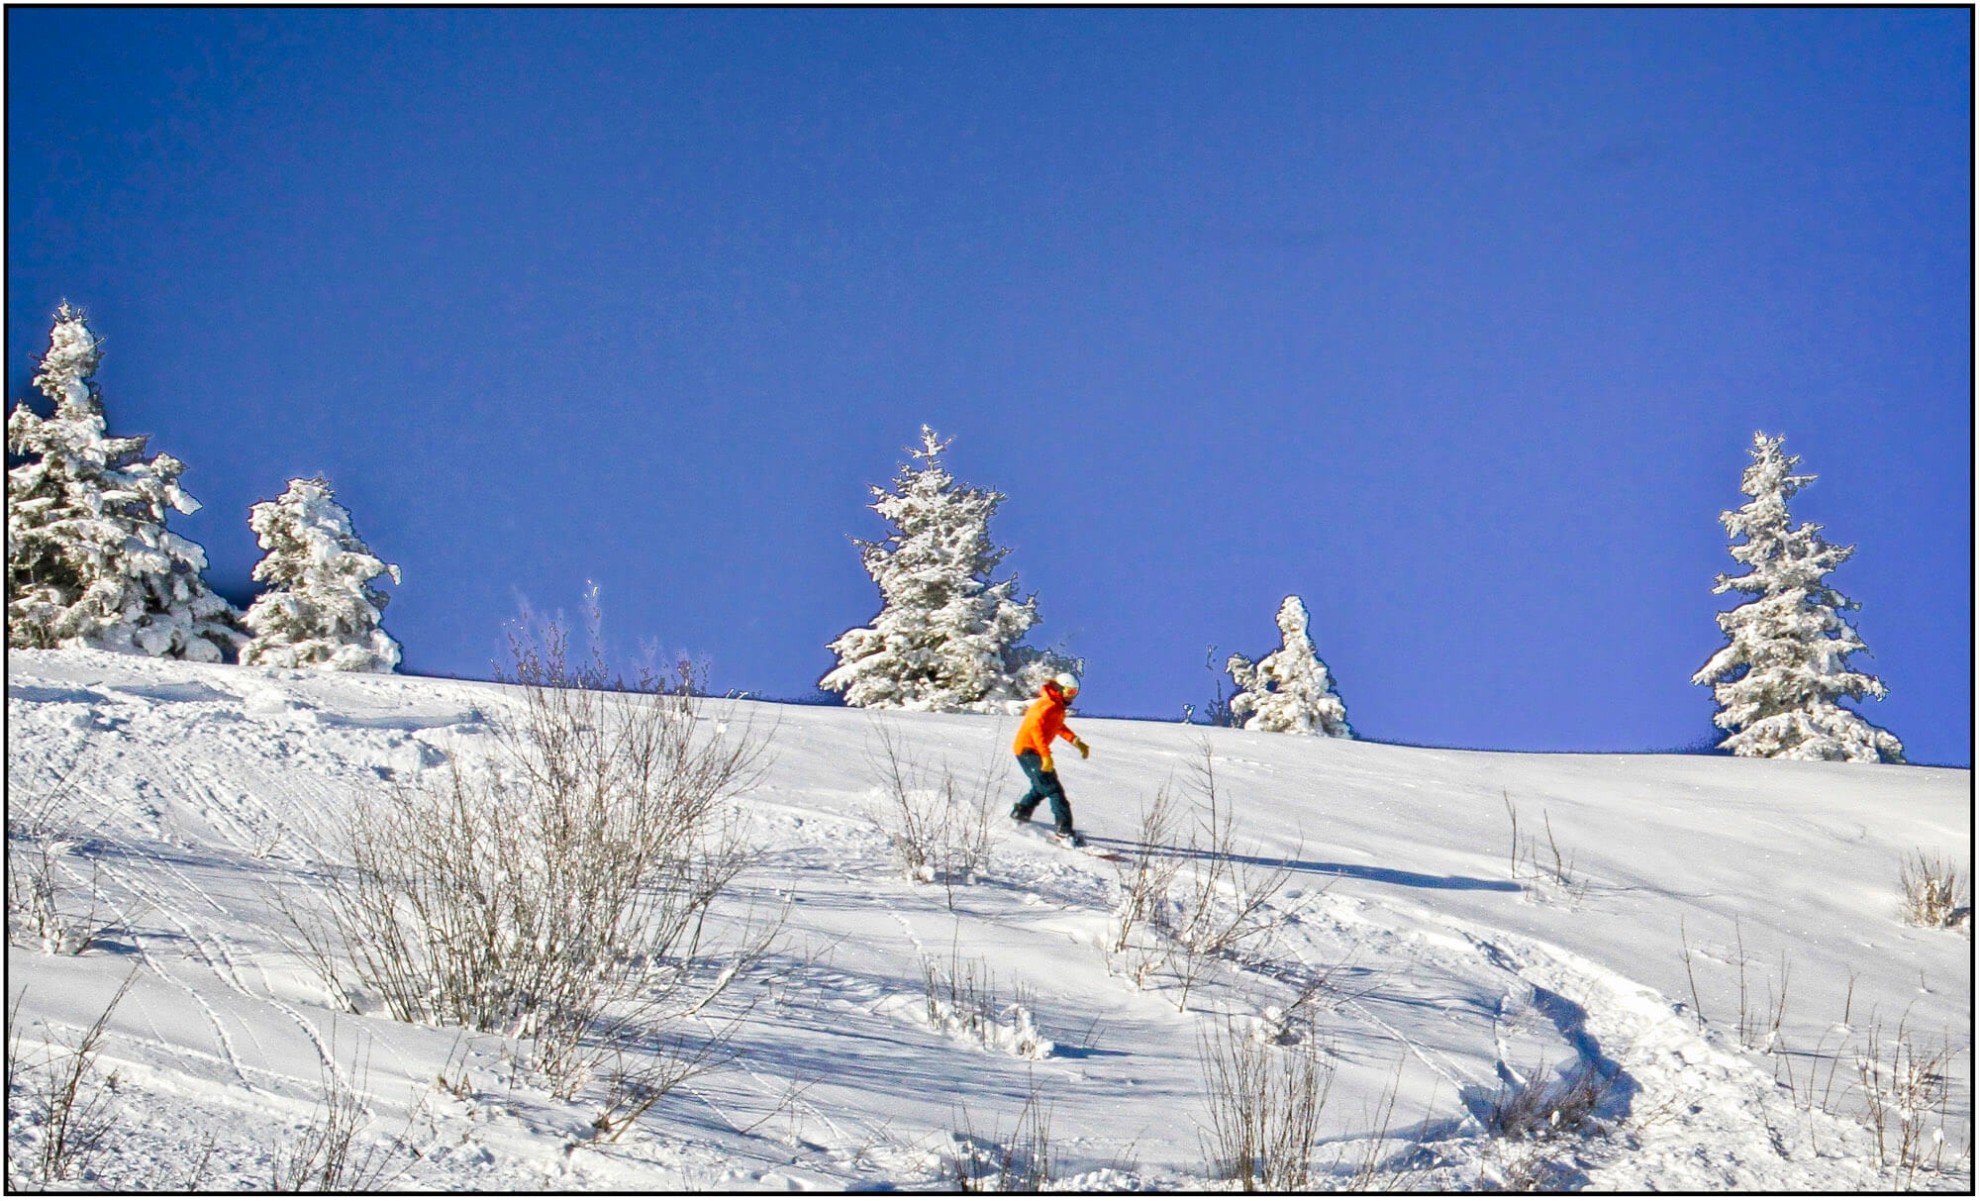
1044, 832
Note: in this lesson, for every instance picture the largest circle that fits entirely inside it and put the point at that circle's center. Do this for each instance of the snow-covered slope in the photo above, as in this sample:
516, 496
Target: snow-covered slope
200, 793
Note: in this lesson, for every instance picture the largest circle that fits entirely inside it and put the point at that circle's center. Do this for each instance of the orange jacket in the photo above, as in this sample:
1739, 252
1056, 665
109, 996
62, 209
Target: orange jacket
1044, 721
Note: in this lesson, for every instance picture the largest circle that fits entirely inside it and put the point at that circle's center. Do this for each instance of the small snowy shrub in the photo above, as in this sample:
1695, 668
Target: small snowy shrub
1785, 664
1145, 877
89, 560
1188, 900
946, 636
336, 1152
1533, 1121
1545, 1105
321, 609
1935, 892
1290, 690
962, 1000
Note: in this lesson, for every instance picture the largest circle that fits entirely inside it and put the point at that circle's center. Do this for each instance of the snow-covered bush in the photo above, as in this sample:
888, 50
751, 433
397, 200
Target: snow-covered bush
1227, 906
946, 636
321, 609
1906, 1082
1936, 893
89, 560
1290, 690
338, 1151
962, 999
1785, 664
45, 906
1145, 876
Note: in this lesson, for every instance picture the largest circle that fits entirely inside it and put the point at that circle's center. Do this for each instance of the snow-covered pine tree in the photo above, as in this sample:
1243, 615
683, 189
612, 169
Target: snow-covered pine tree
321, 609
89, 560
946, 636
1290, 690
1784, 666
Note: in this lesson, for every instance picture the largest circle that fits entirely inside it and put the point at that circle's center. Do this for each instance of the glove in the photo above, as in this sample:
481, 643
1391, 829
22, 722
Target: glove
1046, 765
1082, 747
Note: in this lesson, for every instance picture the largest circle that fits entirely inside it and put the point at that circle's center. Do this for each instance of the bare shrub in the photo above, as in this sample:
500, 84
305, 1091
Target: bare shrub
1264, 1100
1020, 1162
63, 1094
1543, 1106
1145, 876
43, 909
939, 828
1222, 907
1531, 1118
1936, 893
1189, 899
1815, 1090
1759, 1024
562, 893
962, 999
335, 1152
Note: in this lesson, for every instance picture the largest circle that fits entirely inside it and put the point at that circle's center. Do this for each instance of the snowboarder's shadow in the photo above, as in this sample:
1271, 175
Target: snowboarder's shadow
1352, 871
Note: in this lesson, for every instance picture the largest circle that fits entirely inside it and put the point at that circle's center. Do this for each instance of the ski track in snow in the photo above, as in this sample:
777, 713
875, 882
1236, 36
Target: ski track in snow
203, 787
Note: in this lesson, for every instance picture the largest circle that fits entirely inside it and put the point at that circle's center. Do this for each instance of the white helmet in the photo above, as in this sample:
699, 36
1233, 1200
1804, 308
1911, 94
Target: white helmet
1068, 682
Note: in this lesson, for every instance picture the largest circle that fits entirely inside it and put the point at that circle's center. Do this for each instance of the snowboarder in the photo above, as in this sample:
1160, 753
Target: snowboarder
1044, 721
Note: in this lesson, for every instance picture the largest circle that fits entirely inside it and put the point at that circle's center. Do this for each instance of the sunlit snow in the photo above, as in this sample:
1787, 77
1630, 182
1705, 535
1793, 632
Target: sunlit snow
1455, 959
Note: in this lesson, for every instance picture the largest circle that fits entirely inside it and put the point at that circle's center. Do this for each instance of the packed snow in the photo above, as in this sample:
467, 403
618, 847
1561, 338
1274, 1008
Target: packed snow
1716, 943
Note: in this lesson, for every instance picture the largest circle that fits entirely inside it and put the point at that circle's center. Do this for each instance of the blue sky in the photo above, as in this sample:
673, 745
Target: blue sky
1457, 323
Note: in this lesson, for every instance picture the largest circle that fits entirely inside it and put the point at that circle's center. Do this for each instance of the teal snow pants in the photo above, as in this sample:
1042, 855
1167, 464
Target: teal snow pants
1045, 786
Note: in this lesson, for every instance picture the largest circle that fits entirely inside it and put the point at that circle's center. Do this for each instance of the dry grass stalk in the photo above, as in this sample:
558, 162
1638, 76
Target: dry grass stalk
334, 1153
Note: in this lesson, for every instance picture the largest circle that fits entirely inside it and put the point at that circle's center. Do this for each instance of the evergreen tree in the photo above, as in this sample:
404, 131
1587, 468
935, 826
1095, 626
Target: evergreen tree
1778, 678
321, 609
946, 635
1290, 690
89, 560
